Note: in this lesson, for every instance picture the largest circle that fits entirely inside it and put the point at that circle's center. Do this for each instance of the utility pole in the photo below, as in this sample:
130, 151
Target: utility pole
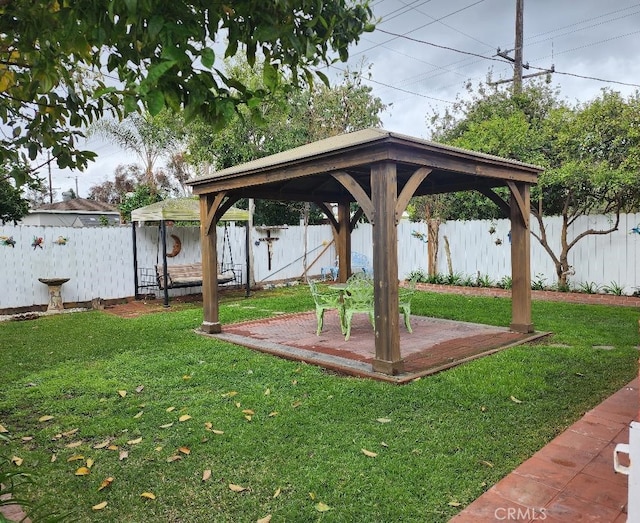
517, 59
517, 62
50, 182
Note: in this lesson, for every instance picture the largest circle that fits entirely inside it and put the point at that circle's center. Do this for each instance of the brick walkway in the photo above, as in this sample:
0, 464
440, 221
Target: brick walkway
572, 478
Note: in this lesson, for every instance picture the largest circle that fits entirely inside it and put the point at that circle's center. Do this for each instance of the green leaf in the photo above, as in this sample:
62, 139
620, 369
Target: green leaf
323, 77
208, 57
156, 71
270, 76
155, 102
155, 25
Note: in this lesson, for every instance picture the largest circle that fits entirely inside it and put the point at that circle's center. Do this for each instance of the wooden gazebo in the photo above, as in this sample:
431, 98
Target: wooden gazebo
381, 171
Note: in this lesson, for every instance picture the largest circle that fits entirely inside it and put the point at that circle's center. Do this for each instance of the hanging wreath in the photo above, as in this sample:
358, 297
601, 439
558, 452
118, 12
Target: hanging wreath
177, 247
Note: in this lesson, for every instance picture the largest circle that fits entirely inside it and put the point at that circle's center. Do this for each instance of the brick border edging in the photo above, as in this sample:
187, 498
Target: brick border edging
567, 297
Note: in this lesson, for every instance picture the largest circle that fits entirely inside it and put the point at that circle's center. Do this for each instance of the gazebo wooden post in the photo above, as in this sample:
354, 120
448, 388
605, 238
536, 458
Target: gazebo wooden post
343, 242
208, 241
385, 268
520, 257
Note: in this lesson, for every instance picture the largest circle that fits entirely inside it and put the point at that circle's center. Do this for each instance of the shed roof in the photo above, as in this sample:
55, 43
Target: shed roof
78, 205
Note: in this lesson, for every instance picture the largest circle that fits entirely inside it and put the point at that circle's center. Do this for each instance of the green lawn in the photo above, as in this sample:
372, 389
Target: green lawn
292, 434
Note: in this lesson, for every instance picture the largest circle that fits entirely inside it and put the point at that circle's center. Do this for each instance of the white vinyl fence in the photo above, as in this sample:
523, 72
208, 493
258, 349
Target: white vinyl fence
99, 261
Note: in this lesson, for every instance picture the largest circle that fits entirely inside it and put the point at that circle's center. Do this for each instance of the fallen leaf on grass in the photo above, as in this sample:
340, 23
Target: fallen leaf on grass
384, 444
206, 475
322, 507
166, 425
171, 459
267, 392
3, 429
454, 503
69, 433
148, 495
90, 463
123, 455
248, 418
369, 453
248, 411
53, 458
186, 377
102, 445
296, 404
238, 404
170, 409
273, 414
184, 417
83, 471
185, 450
139, 414
487, 463
134, 441
139, 388
218, 432
75, 457
237, 488
99, 506
45, 418
105, 483
112, 447
25, 439
383, 420
277, 492
229, 394
122, 393
74, 444
265, 519
16, 461
514, 399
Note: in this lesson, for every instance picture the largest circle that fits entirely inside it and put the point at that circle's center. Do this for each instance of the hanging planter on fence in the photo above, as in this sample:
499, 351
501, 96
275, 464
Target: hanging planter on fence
8, 241
61, 240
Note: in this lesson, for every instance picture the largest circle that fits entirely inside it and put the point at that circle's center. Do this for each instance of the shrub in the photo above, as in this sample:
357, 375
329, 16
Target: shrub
589, 287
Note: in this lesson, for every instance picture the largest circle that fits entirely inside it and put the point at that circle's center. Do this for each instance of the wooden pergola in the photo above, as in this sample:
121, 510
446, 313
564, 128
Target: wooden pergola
381, 171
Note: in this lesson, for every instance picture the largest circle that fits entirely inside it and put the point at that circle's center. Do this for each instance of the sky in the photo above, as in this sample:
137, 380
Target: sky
437, 46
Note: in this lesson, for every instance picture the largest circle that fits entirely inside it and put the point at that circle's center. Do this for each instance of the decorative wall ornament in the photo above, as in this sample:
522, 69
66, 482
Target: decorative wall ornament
635, 230
61, 240
8, 241
37, 242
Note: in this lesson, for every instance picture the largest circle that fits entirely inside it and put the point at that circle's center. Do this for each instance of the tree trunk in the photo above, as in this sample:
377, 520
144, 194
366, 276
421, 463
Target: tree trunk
433, 229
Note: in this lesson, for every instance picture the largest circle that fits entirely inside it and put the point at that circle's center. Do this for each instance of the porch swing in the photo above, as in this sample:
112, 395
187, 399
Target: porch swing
185, 275
190, 275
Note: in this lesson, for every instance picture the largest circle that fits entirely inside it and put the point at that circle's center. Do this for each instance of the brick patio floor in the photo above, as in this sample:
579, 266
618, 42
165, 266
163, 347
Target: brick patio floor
434, 345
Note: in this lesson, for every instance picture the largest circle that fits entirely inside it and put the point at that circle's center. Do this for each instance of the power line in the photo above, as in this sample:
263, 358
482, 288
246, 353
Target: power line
418, 28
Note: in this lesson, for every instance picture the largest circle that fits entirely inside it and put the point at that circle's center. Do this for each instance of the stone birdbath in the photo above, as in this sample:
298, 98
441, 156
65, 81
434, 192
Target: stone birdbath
55, 296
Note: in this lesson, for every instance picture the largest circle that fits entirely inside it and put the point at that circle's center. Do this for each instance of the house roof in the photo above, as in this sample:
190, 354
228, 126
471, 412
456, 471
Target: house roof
78, 205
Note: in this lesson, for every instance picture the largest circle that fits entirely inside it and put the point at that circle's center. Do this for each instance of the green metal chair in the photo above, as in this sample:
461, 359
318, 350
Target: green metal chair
326, 298
405, 295
358, 297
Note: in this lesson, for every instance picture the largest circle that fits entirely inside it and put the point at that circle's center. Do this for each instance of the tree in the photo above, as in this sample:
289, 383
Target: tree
149, 137
12, 204
64, 65
591, 154
290, 119
141, 197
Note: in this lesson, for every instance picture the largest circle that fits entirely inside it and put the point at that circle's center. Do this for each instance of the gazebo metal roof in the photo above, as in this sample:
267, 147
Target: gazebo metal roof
181, 209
